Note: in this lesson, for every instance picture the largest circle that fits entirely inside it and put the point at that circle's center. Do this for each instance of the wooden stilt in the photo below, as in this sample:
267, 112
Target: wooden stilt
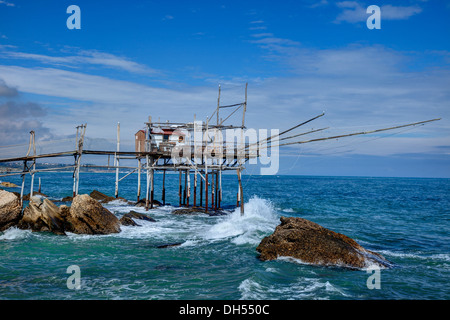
23, 183
164, 188
220, 188
188, 187
216, 205
179, 188
147, 193
212, 190
241, 193
152, 187
201, 192
185, 184
206, 192
195, 188
117, 160
139, 180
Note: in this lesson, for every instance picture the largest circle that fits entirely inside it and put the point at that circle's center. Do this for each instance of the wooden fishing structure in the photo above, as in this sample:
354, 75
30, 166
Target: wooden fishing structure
156, 150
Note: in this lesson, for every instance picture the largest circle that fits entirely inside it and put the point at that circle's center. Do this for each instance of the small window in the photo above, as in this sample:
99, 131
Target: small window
166, 137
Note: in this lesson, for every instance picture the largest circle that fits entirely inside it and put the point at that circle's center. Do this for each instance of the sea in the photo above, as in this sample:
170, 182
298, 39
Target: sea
407, 220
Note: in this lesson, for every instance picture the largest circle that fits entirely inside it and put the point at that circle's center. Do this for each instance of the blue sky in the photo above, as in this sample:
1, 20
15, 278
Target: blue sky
167, 58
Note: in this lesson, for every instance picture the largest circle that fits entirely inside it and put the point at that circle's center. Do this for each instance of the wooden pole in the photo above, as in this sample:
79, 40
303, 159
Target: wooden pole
117, 161
147, 193
220, 188
39, 189
206, 192
217, 190
23, 183
34, 164
201, 192
80, 152
212, 190
152, 185
164, 188
188, 186
139, 180
195, 188
179, 187
185, 184
241, 193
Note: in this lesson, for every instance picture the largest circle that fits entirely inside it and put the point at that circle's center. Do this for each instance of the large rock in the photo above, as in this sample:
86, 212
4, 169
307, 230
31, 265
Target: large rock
311, 243
10, 209
8, 184
42, 215
88, 216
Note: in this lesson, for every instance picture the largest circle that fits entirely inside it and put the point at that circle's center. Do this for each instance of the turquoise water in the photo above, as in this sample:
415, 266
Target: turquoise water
405, 219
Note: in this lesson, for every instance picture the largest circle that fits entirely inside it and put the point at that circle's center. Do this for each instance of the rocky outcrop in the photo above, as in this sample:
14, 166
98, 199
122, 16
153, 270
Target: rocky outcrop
141, 203
103, 198
42, 215
313, 244
10, 210
127, 219
88, 216
8, 184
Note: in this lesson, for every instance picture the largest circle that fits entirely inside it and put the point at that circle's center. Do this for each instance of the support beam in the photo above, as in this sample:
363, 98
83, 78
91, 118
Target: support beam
241, 193
164, 188
139, 180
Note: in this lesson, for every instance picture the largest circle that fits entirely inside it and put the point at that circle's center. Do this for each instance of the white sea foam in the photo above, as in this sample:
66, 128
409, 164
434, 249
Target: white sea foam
14, 234
258, 220
302, 288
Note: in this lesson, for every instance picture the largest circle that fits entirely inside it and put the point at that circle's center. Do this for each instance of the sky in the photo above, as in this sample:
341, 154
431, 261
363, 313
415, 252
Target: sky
166, 59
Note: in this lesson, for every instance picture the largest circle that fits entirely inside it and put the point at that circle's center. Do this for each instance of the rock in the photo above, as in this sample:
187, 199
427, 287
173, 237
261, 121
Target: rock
197, 210
169, 245
42, 215
141, 216
141, 203
10, 210
88, 216
67, 199
311, 243
127, 221
101, 197
8, 184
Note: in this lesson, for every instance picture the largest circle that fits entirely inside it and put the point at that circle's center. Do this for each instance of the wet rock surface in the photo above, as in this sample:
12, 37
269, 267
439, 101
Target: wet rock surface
313, 244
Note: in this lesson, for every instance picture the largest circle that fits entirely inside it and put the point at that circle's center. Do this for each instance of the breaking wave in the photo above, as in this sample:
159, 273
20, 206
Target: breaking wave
259, 220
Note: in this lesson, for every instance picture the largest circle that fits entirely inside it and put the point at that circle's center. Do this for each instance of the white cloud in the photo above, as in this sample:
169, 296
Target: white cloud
82, 57
8, 4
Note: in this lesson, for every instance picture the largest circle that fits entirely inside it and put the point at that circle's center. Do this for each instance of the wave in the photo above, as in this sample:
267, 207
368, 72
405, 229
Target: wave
15, 234
303, 288
259, 219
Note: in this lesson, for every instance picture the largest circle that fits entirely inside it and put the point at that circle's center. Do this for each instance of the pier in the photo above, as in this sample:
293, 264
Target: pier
197, 151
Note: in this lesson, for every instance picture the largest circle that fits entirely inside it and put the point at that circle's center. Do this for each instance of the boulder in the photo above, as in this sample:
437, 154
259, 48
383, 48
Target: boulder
101, 197
313, 244
42, 215
8, 184
88, 216
10, 210
127, 221
141, 203
140, 216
